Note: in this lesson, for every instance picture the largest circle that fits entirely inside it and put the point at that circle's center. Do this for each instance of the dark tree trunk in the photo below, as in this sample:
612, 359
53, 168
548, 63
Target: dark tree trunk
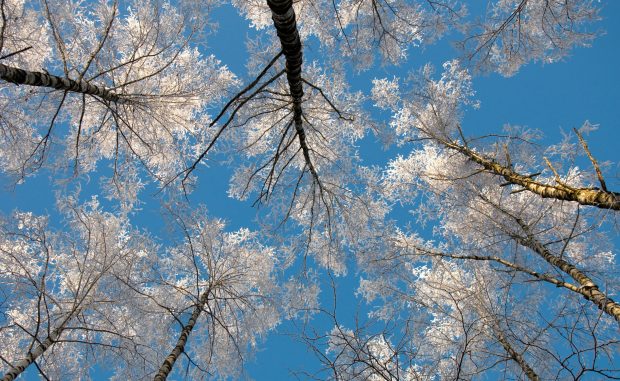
283, 17
35, 78
168, 364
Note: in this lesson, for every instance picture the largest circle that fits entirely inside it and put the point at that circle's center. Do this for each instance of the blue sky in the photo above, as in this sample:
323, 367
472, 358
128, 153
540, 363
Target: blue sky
551, 98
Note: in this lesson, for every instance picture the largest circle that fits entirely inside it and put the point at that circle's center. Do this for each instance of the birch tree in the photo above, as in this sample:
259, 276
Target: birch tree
126, 77
537, 253
462, 338
62, 304
535, 221
359, 29
111, 295
215, 298
504, 37
518, 231
464, 315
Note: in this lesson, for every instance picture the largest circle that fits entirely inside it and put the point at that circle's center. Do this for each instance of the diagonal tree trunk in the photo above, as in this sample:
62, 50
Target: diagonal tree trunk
584, 196
168, 364
589, 289
515, 356
18, 368
35, 78
283, 17
31, 357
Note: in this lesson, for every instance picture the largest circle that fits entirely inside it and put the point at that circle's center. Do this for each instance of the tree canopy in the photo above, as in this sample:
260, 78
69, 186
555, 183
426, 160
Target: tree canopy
462, 248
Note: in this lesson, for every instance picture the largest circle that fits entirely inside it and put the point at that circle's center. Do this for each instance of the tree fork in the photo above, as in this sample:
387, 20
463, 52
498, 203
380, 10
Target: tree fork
36, 78
168, 364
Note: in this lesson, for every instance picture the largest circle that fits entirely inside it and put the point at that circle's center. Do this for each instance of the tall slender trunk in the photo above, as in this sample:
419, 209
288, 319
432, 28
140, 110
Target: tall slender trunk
35, 78
21, 365
584, 196
168, 364
283, 17
515, 356
589, 289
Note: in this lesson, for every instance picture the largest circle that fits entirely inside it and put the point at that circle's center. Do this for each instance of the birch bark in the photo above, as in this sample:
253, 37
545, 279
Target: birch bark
283, 17
168, 364
584, 196
20, 366
35, 78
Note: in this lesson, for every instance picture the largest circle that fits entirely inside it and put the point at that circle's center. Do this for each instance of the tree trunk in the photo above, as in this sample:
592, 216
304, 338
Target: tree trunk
35, 78
168, 364
584, 196
283, 17
589, 289
516, 356
17, 369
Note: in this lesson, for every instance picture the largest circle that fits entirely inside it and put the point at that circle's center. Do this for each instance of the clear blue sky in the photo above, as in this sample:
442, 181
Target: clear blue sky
547, 97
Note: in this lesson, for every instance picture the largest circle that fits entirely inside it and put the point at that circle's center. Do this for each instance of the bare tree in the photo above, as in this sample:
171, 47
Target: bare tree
518, 280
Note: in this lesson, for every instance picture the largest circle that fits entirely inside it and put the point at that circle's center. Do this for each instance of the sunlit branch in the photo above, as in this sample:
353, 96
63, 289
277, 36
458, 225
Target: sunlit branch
585, 196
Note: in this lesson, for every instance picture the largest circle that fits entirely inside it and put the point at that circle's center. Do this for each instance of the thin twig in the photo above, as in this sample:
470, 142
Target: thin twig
599, 174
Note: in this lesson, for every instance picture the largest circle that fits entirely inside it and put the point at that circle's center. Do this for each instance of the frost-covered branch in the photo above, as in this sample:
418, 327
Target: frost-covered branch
513, 33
